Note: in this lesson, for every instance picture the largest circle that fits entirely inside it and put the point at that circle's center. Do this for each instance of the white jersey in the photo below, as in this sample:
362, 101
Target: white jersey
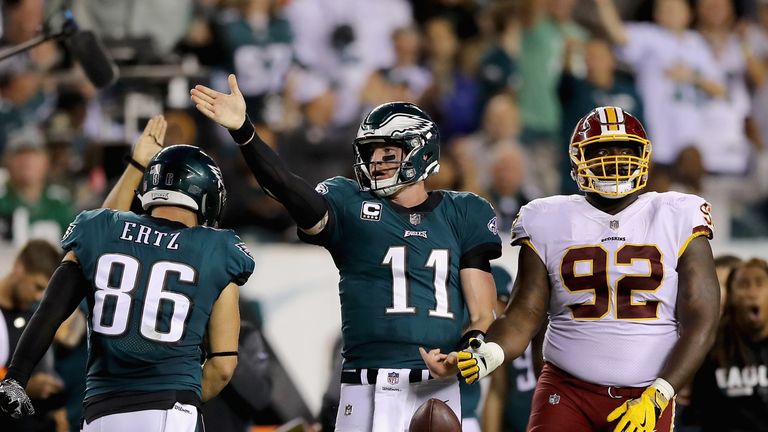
671, 109
613, 281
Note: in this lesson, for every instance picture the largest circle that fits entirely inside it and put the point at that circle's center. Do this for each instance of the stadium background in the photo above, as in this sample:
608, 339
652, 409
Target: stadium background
496, 76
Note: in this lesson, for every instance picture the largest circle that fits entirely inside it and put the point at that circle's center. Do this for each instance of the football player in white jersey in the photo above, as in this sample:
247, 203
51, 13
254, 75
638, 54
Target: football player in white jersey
627, 279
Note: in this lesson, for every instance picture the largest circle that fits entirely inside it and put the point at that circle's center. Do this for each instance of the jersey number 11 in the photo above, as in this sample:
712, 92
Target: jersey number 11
438, 259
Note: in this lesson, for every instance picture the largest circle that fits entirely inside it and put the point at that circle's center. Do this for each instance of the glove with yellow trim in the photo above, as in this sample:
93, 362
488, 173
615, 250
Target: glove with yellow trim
479, 359
640, 414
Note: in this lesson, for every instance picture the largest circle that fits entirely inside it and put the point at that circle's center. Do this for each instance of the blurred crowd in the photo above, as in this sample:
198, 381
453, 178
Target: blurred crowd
506, 81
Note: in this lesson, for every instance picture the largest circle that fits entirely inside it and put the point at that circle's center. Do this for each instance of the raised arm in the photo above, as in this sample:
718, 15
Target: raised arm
146, 147
307, 207
611, 21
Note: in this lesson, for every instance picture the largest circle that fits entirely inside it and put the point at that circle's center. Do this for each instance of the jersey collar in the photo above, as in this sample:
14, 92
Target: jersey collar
434, 199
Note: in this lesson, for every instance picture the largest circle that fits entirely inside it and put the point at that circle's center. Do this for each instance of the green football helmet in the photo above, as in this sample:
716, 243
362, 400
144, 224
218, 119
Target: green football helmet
184, 176
406, 126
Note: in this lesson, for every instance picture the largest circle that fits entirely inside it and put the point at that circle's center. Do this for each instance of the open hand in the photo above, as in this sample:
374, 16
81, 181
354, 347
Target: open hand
440, 365
227, 110
151, 140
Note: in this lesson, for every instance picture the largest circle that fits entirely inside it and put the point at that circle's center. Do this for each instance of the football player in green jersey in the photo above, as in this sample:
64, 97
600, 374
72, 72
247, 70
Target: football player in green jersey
409, 260
155, 284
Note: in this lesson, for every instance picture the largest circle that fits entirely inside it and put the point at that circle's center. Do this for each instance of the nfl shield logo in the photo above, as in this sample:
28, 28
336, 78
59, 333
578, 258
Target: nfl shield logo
415, 218
614, 225
554, 399
393, 378
348, 410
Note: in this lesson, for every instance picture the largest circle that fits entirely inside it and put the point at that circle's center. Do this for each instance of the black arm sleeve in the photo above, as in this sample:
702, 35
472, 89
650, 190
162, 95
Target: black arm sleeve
304, 204
65, 291
480, 256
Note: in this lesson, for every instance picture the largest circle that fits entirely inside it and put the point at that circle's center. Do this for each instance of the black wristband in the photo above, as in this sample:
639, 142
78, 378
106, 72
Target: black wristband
245, 133
470, 334
135, 163
222, 354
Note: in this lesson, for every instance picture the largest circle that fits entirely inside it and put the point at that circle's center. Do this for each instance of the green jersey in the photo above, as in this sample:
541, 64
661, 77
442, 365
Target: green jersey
45, 219
399, 270
153, 283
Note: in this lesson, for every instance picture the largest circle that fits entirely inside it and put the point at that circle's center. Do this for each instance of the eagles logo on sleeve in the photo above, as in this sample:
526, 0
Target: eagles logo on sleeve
67, 233
321, 188
492, 227
244, 249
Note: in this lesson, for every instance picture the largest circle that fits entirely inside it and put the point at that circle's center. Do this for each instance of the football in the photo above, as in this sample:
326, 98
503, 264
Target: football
434, 416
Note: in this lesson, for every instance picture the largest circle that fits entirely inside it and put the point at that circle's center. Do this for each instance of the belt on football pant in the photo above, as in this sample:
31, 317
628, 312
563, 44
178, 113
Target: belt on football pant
611, 391
368, 376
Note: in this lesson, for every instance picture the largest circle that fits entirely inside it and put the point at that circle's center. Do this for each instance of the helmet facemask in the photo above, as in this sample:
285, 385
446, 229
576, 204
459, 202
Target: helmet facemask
404, 172
611, 176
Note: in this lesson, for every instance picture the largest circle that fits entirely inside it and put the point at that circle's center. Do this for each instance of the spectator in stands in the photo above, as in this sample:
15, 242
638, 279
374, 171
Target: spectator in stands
30, 207
757, 44
19, 291
724, 265
498, 70
729, 392
22, 21
203, 38
675, 72
22, 100
507, 192
688, 175
313, 147
602, 86
473, 153
345, 41
258, 41
452, 100
548, 27
407, 79
461, 13
726, 149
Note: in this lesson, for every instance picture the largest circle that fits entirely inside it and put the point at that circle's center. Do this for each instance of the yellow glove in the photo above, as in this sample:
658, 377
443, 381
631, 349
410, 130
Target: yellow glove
640, 415
479, 359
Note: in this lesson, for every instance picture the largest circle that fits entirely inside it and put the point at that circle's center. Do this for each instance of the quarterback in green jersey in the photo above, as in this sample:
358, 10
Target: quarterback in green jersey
155, 286
409, 260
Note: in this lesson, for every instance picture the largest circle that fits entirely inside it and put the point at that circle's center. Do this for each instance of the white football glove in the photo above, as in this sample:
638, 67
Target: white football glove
479, 359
